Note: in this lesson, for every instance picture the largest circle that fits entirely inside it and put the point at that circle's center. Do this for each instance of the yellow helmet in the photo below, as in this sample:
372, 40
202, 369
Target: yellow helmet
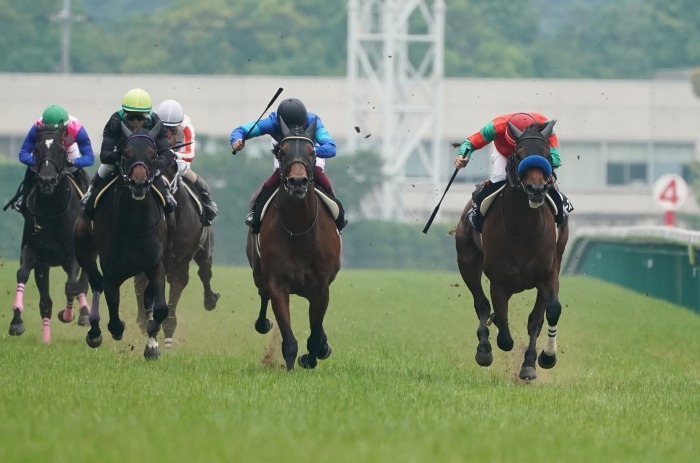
137, 100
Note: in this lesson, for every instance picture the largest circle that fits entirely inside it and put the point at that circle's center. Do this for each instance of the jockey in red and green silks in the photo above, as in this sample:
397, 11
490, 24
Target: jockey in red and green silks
497, 131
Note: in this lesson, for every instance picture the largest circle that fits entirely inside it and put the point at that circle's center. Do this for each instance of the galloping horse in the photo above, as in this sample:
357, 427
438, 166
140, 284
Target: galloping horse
297, 250
52, 206
128, 233
520, 248
188, 240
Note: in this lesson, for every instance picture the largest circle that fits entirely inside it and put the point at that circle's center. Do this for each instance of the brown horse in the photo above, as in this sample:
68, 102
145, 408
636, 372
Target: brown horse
297, 250
520, 248
188, 240
128, 234
52, 205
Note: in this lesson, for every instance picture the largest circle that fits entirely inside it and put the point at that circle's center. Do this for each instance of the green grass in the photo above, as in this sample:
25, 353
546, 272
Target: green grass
401, 386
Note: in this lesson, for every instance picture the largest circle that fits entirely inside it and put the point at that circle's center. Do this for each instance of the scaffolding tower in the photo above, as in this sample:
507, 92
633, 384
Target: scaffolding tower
395, 73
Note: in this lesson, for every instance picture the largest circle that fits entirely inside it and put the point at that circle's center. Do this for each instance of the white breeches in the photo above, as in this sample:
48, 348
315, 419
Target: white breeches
498, 166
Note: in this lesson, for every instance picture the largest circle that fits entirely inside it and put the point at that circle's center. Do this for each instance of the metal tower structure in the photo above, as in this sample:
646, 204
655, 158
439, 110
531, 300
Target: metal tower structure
65, 19
395, 73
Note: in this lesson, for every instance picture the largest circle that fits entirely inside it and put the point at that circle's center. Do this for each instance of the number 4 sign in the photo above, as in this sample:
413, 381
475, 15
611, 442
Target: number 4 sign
670, 191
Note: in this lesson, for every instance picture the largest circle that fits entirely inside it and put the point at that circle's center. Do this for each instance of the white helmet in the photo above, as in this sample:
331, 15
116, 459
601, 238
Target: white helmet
171, 113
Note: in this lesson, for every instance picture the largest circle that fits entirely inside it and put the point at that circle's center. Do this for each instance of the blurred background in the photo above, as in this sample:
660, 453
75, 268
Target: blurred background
396, 83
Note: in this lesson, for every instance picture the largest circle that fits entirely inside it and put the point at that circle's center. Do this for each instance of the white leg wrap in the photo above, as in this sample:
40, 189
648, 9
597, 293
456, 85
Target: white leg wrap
550, 347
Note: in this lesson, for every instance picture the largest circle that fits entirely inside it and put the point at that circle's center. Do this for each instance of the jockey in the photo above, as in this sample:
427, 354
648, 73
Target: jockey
498, 132
76, 142
294, 114
136, 114
179, 130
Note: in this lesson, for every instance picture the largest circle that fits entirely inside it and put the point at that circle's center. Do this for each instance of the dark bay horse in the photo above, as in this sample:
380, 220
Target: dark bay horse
520, 248
188, 239
128, 234
297, 250
52, 207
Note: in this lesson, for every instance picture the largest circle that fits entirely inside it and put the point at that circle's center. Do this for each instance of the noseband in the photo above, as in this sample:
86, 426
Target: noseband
295, 159
60, 165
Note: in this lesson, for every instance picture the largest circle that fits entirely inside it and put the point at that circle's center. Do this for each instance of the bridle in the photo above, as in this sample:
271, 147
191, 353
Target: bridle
514, 160
296, 159
59, 165
126, 167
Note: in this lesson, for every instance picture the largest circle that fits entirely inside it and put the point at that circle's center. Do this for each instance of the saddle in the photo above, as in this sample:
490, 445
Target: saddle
330, 204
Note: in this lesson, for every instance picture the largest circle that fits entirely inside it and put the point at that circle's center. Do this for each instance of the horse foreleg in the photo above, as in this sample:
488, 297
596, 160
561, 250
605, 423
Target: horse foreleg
93, 338
155, 296
548, 357
112, 296
280, 305
317, 344
500, 298
26, 264
41, 277
72, 289
143, 313
263, 324
203, 259
178, 277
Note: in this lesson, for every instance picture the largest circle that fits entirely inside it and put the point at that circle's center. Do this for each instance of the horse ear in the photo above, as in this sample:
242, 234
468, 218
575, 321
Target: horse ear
155, 131
514, 130
126, 130
311, 130
283, 126
547, 130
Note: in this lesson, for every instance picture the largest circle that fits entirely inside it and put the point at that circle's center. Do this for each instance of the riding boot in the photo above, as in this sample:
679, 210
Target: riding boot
253, 219
482, 191
342, 219
163, 188
564, 206
96, 185
210, 208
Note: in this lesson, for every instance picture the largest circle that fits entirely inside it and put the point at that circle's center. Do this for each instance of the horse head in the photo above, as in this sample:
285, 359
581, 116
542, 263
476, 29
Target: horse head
530, 165
49, 158
295, 153
138, 159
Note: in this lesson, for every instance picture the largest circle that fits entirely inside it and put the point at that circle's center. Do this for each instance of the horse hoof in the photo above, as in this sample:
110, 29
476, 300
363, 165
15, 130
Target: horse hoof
211, 300
93, 342
484, 359
16, 329
117, 331
327, 353
528, 373
83, 317
152, 351
62, 317
307, 362
546, 361
263, 326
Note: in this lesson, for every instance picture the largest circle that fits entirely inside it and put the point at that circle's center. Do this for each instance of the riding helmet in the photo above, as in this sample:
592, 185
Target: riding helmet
54, 116
137, 100
293, 112
171, 113
521, 121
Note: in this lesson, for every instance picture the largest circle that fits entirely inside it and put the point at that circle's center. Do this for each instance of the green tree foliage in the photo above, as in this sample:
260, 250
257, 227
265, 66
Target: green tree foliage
483, 38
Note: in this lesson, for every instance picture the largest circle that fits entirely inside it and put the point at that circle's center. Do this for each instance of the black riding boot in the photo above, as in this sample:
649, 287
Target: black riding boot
88, 199
342, 219
210, 208
564, 206
253, 217
162, 187
482, 191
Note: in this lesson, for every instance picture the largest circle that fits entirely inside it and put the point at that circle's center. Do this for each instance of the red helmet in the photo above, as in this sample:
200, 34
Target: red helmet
521, 121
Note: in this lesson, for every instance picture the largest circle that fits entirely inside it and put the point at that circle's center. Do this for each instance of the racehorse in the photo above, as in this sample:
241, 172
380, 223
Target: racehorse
52, 205
297, 250
128, 233
520, 248
189, 239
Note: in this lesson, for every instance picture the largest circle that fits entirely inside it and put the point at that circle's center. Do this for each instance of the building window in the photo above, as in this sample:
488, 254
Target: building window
627, 173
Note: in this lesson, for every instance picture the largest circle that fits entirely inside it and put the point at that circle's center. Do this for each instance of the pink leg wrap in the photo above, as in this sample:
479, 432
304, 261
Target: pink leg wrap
19, 298
47, 330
